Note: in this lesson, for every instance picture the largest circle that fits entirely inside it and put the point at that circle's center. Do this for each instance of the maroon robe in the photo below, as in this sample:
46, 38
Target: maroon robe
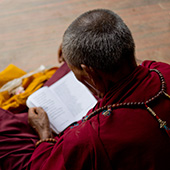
127, 139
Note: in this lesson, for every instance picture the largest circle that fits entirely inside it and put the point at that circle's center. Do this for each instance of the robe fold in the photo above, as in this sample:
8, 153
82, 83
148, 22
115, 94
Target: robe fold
127, 139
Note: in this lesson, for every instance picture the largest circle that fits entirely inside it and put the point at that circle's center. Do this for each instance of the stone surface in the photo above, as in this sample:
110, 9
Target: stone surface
31, 31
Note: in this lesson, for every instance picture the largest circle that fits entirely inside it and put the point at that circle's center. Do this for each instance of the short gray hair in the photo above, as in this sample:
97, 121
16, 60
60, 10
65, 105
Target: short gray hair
100, 39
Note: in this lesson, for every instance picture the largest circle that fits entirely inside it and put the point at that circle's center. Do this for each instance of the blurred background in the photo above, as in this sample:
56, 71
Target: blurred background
31, 30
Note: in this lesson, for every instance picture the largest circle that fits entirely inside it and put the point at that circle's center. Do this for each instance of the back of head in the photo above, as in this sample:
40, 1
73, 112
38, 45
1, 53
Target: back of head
98, 39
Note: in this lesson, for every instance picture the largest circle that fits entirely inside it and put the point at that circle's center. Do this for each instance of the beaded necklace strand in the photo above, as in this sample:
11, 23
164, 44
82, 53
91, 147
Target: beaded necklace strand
106, 110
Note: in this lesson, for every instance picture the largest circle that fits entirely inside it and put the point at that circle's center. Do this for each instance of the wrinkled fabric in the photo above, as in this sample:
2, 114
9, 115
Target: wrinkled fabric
17, 140
129, 138
9, 73
17, 103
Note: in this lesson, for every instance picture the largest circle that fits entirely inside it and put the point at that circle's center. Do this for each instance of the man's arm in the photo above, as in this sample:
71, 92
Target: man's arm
42, 157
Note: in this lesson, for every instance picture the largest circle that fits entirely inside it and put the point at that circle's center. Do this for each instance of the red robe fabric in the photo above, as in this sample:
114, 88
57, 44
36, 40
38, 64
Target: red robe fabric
128, 138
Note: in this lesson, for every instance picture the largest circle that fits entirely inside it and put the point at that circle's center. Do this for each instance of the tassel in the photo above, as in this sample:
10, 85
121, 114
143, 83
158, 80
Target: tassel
167, 130
162, 123
166, 127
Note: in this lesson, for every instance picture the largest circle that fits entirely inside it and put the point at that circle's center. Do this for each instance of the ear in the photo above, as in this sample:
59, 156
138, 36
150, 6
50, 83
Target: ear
91, 73
60, 56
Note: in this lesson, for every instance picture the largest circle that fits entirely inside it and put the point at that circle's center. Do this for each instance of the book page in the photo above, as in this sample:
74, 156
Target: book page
58, 114
77, 98
30, 104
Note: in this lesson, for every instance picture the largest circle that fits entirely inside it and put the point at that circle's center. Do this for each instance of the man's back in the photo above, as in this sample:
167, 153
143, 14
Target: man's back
129, 137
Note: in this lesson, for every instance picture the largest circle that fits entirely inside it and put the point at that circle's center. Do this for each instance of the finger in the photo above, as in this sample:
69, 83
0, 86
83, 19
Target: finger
40, 111
31, 114
32, 111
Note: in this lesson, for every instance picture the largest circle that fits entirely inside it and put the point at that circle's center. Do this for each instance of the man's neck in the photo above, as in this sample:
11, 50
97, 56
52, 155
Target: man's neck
110, 80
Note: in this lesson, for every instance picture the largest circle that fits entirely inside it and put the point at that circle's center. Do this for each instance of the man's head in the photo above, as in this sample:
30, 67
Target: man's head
98, 40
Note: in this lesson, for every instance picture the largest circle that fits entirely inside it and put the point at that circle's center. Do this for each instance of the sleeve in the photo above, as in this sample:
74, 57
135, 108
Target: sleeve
47, 156
79, 148
84, 150
78, 155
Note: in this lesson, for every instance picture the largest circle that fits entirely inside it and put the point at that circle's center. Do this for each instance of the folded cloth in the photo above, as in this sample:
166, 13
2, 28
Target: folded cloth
10, 73
29, 84
17, 138
14, 84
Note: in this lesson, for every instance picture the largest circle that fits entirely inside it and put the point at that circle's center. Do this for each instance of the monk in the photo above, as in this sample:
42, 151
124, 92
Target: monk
128, 129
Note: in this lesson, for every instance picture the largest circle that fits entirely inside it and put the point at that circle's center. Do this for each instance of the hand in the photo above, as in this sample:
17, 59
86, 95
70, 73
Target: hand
38, 119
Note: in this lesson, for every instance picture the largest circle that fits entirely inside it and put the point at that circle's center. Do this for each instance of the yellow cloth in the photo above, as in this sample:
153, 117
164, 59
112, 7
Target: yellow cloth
17, 103
10, 73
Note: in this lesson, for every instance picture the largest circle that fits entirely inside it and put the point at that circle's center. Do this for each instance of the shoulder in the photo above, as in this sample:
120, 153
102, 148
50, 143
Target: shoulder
155, 65
164, 68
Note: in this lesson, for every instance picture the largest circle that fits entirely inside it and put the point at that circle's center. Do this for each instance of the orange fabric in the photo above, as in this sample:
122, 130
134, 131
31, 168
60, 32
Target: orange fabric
17, 103
10, 73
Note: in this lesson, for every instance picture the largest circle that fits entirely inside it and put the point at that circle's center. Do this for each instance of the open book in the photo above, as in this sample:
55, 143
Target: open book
65, 102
